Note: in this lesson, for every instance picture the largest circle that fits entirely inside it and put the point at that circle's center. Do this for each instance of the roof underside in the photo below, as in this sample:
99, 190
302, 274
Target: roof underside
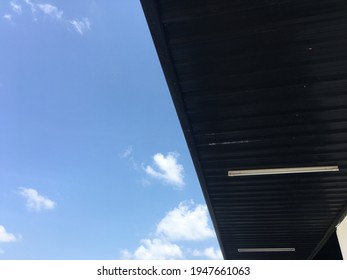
261, 84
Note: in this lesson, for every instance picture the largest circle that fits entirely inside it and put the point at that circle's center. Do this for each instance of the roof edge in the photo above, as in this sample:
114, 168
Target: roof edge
156, 28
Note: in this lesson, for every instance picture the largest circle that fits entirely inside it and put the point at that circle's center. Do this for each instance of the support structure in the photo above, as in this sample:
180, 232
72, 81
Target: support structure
341, 231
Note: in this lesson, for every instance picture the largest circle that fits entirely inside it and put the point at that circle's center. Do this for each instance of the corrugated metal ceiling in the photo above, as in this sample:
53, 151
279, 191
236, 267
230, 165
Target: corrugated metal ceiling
261, 84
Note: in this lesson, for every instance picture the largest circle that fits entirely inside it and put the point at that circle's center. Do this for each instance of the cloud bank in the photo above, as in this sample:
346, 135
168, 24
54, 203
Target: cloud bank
187, 222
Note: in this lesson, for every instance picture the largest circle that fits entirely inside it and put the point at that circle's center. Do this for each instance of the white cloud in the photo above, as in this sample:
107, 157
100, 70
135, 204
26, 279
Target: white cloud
128, 151
16, 7
35, 201
154, 249
186, 222
6, 236
50, 10
81, 25
210, 252
169, 170
7, 17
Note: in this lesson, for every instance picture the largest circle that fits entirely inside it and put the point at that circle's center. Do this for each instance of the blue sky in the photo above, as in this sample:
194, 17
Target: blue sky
93, 162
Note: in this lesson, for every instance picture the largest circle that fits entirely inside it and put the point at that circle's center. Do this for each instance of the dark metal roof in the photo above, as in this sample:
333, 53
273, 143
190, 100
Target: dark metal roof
261, 84
331, 250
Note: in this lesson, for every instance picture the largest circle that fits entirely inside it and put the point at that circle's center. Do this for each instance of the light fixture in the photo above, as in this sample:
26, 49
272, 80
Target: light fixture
289, 170
264, 250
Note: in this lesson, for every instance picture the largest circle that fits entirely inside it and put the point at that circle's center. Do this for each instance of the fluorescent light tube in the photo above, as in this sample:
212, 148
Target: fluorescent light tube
264, 250
289, 170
